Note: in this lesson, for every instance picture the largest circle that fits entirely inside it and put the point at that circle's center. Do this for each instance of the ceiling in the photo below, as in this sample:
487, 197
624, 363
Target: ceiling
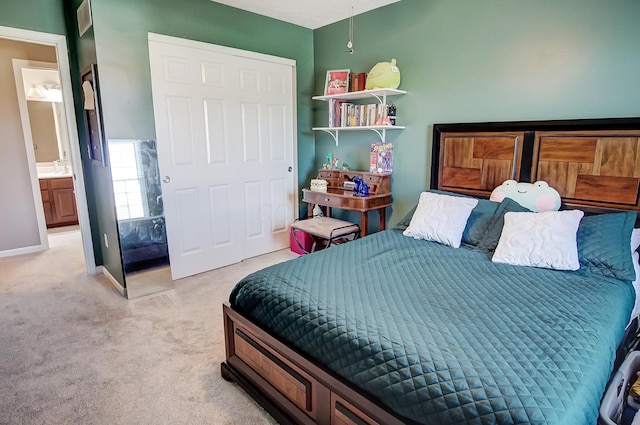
307, 13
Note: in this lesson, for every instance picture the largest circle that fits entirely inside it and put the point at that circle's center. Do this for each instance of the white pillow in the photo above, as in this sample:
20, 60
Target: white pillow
440, 218
544, 239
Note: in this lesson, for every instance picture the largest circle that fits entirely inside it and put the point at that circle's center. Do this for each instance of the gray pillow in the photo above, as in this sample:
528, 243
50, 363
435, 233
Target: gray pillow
477, 223
494, 228
604, 244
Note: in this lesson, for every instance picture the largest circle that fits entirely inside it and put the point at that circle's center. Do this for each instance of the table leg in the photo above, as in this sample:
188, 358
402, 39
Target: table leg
364, 222
383, 218
310, 210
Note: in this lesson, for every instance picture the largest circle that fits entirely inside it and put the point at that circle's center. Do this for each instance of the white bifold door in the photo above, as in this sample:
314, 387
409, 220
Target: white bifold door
225, 135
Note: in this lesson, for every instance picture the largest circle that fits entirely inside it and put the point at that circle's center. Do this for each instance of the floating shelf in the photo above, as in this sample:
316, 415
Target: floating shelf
380, 130
379, 94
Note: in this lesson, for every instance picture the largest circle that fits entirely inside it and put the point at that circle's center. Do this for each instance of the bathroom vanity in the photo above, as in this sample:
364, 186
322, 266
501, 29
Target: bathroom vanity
59, 201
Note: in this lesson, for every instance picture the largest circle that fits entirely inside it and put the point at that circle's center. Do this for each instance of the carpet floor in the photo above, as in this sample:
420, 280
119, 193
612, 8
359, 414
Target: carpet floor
74, 351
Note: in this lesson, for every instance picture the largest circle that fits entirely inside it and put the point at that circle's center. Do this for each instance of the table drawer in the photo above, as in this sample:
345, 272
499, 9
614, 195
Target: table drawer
370, 179
328, 174
330, 201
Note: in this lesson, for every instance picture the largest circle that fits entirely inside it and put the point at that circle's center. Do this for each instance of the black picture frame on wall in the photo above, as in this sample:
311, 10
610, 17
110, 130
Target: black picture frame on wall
93, 116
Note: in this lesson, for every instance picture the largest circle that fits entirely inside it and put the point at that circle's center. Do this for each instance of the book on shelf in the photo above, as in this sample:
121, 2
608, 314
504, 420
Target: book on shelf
343, 114
358, 81
335, 112
381, 158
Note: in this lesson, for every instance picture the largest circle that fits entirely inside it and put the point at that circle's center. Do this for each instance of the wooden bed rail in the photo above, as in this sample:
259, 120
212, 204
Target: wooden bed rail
292, 388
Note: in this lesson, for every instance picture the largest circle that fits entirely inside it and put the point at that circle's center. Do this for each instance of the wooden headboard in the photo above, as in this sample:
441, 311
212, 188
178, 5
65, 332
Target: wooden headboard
589, 162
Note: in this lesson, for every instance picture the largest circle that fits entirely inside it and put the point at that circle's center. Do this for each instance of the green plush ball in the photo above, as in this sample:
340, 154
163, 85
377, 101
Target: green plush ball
384, 75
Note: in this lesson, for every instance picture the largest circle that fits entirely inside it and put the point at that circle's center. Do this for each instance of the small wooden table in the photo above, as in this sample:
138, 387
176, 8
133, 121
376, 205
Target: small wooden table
346, 200
338, 197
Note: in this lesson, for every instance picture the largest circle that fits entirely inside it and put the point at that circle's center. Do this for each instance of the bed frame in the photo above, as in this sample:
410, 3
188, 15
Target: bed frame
594, 165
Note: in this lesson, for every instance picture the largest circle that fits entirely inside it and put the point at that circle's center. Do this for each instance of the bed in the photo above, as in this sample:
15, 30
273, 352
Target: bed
389, 329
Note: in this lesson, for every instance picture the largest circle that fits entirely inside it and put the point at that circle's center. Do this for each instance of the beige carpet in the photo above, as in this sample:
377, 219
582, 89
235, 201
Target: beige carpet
74, 351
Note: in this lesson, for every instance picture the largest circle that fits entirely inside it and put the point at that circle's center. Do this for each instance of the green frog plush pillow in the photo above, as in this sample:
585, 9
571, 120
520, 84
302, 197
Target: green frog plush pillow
536, 196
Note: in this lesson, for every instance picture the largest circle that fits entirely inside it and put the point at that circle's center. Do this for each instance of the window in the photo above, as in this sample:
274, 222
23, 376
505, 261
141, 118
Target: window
127, 176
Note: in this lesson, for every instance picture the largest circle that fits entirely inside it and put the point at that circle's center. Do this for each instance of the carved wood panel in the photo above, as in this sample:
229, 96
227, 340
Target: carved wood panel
599, 167
479, 162
294, 384
344, 413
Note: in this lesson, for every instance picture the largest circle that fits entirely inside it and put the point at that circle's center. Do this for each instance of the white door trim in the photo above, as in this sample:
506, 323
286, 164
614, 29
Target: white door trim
220, 49
18, 64
59, 42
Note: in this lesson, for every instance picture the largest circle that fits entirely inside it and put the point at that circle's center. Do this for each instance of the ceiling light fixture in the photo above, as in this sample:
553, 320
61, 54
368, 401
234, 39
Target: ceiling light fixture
36, 91
47, 91
350, 48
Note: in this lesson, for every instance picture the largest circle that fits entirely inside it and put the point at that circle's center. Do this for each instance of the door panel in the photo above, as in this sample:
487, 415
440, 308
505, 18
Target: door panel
254, 214
187, 205
220, 219
277, 148
224, 125
180, 125
215, 131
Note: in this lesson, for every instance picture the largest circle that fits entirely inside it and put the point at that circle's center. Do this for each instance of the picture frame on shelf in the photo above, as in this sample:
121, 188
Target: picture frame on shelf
337, 81
93, 116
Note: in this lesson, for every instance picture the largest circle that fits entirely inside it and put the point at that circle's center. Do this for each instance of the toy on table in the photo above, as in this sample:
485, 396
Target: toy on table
361, 188
332, 162
536, 196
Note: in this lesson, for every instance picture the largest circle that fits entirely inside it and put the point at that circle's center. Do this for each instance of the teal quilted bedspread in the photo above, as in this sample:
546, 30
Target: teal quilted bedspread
444, 336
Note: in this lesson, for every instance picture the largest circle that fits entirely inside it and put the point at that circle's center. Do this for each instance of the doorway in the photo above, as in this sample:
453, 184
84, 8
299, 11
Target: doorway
43, 116
29, 178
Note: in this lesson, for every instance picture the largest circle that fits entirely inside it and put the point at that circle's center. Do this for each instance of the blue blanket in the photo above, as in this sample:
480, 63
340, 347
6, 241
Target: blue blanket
443, 335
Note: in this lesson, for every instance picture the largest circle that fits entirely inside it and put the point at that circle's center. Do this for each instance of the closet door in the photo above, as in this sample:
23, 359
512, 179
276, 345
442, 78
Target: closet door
225, 130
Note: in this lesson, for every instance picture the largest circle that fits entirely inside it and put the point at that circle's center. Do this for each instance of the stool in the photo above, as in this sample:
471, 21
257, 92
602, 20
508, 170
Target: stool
329, 231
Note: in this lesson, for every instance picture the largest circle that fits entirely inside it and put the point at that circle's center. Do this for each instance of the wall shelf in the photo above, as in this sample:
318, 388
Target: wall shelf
380, 130
380, 95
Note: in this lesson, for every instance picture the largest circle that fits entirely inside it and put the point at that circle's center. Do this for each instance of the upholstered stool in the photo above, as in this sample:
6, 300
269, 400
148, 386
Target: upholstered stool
326, 231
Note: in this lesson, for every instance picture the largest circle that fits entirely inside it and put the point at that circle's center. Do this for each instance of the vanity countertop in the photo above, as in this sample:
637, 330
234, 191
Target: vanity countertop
53, 176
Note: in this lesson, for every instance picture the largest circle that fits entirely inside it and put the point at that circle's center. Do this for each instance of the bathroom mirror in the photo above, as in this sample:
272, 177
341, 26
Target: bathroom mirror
47, 118
50, 138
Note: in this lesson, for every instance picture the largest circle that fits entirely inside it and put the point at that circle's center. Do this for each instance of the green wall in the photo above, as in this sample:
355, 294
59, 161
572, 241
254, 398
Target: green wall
489, 60
121, 28
34, 15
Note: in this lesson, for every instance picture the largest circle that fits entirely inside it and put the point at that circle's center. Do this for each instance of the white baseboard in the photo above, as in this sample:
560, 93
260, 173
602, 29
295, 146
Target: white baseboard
113, 280
21, 251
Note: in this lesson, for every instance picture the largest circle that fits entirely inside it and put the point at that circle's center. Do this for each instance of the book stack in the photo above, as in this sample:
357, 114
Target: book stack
343, 114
